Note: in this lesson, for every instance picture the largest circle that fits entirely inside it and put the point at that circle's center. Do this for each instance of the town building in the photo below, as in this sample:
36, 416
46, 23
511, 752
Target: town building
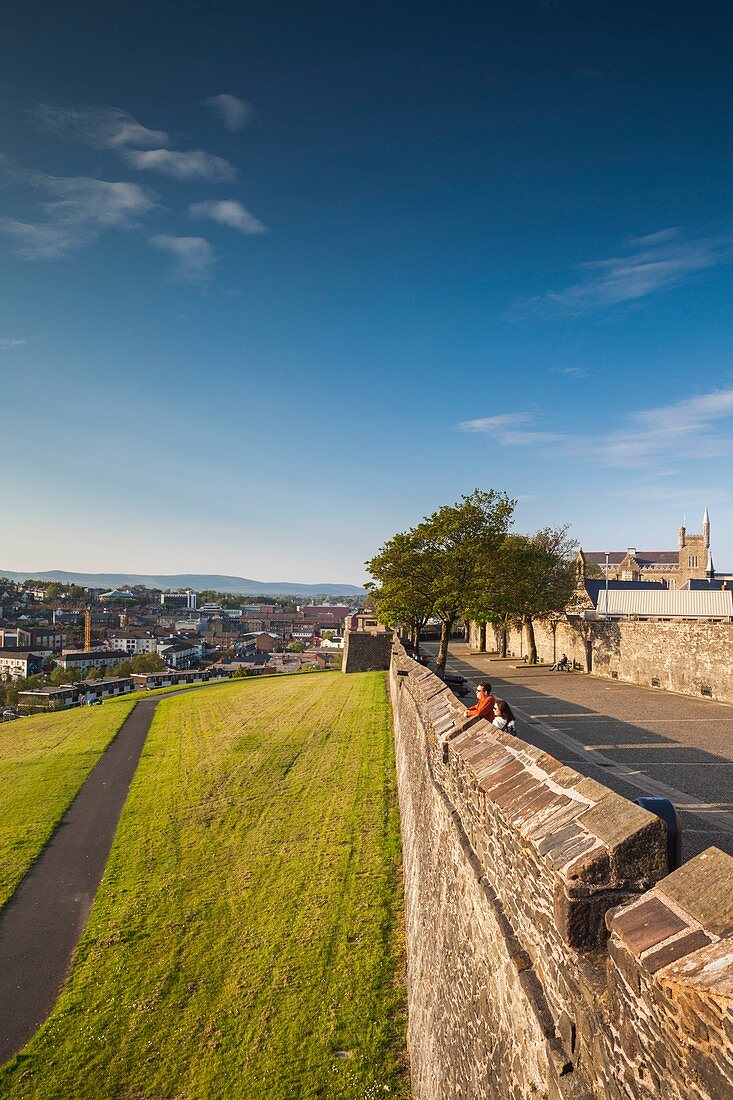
364, 622
72, 695
132, 644
326, 616
178, 600
47, 638
303, 632
178, 653
190, 626
170, 678
692, 560
84, 660
18, 664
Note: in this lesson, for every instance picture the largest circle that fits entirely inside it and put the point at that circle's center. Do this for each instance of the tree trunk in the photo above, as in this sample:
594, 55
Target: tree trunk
482, 638
531, 643
445, 628
503, 631
416, 639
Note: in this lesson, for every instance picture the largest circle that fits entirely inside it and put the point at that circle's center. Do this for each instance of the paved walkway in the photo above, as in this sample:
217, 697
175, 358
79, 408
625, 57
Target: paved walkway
41, 924
635, 740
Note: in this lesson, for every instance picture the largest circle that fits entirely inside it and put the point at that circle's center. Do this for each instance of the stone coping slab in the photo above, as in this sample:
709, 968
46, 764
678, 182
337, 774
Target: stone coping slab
682, 930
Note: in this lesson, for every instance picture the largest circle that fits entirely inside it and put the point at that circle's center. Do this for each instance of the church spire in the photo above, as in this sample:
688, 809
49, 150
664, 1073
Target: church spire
706, 528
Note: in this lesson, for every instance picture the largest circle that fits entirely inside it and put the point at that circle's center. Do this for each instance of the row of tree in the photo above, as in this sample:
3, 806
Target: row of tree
462, 562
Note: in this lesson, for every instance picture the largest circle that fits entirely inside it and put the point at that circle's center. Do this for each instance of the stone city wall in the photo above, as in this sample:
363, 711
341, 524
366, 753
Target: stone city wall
694, 658
365, 652
548, 956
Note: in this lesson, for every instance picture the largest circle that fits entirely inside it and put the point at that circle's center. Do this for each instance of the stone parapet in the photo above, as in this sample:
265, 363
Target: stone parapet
517, 870
670, 976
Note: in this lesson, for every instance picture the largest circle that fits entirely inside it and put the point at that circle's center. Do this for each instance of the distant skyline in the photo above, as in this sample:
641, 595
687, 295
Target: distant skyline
280, 281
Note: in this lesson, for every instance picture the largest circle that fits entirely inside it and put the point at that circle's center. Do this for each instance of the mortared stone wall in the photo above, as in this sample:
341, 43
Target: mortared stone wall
549, 954
364, 652
691, 656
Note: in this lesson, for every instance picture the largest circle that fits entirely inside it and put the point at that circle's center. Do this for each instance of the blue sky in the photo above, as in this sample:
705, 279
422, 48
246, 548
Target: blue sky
280, 279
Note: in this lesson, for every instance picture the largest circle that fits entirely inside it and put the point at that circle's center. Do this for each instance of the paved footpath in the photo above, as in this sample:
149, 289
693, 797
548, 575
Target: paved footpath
635, 740
41, 924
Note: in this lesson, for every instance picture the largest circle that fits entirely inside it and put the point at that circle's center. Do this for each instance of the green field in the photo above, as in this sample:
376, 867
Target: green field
43, 762
246, 941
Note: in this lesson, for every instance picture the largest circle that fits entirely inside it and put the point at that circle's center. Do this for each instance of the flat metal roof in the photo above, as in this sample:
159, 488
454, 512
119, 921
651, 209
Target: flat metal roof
666, 603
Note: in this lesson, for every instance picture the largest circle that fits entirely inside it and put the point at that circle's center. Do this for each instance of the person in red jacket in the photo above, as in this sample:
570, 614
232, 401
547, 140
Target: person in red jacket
485, 703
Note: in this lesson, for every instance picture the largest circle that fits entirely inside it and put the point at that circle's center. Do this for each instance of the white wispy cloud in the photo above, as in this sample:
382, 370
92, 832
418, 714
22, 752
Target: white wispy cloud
193, 257
77, 212
190, 165
690, 423
228, 212
100, 127
510, 429
6, 343
644, 438
648, 264
574, 372
234, 113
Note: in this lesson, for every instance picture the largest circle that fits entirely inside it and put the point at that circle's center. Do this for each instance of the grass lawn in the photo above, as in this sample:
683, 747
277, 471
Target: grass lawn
43, 762
246, 941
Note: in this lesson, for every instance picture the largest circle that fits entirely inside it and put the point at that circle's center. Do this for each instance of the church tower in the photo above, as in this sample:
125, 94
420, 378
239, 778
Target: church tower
694, 553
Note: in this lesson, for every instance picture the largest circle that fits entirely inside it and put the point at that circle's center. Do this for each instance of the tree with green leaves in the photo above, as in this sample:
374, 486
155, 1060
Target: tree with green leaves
141, 662
534, 579
441, 564
398, 595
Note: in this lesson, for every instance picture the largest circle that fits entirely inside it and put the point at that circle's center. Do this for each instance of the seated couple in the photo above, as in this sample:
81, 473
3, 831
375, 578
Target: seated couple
496, 711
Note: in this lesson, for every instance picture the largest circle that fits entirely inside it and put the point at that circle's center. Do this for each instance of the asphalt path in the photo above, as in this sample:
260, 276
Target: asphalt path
41, 924
638, 741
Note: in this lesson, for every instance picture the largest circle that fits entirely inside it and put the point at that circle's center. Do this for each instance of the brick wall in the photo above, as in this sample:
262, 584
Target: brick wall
548, 955
695, 658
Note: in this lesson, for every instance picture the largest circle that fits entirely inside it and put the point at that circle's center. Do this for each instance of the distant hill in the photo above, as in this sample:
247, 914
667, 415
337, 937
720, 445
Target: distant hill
237, 586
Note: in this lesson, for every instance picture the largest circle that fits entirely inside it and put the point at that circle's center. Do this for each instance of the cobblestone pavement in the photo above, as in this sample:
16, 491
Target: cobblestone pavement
635, 740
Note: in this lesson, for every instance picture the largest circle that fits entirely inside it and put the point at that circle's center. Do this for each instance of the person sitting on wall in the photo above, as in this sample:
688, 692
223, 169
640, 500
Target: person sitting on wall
503, 717
563, 665
485, 703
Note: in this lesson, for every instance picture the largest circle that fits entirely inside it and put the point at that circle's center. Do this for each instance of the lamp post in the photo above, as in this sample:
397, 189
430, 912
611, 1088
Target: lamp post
606, 607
